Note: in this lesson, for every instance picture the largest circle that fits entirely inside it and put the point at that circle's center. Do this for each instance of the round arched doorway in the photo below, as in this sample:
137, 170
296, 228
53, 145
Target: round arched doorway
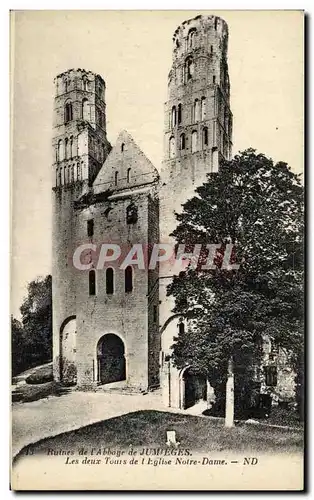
110, 359
194, 388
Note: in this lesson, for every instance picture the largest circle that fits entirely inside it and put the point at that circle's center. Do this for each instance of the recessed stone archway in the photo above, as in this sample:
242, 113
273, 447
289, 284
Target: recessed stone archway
111, 362
193, 388
68, 370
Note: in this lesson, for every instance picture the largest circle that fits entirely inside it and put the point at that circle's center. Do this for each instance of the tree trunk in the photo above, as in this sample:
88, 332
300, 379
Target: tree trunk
229, 415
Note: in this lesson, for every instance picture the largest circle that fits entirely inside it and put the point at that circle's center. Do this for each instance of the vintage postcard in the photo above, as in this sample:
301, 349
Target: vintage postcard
157, 250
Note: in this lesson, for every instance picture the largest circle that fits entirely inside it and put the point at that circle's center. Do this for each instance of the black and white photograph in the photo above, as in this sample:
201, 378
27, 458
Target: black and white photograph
157, 250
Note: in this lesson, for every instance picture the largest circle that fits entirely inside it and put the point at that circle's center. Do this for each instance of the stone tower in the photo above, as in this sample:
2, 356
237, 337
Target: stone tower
105, 317
80, 147
198, 120
197, 136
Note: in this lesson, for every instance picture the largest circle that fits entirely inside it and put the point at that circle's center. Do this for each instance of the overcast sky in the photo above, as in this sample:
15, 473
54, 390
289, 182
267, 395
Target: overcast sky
132, 52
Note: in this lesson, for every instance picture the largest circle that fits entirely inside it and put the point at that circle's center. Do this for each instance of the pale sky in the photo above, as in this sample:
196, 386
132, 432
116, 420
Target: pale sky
132, 51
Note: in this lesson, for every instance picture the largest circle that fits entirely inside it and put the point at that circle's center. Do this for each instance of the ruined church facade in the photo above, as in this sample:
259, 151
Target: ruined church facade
113, 325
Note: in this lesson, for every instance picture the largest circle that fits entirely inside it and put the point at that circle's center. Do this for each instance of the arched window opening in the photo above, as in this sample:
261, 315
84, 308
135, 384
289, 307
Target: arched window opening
68, 115
179, 113
60, 177
92, 282
122, 147
60, 153
79, 172
128, 279
172, 150
214, 79
66, 175
203, 108
85, 110
173, 116
66, 148
131, 214
116, 178
196, 112
189, 69
205, 137
181, 328
71, 146
85, 84
191, 38
109, 281
194, 141
211, 50
128, 175
216, 23
72, 173
182, 142
66, 85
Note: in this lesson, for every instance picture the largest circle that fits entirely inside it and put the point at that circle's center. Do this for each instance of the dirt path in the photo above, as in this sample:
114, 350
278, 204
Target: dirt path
54, 415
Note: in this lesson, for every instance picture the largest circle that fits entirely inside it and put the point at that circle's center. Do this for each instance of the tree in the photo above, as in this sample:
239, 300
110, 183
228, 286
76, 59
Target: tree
257, 206
32, 338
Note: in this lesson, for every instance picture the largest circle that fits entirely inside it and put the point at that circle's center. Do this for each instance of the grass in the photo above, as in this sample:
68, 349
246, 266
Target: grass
148, 429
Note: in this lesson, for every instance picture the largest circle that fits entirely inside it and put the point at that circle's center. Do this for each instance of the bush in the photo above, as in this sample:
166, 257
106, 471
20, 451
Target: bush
41, 376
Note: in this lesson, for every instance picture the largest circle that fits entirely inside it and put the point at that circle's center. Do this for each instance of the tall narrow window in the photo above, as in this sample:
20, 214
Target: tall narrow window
66, 148
182, 142
92, 282
68, 112
66, 175
191, 38
72, 173
205, 137
71, 146
60, 150
79, 172
109, 281
196, 110
214, 79
85, 110
85, 84
203, 108
189, 69
122, 147
179, 113
116, 178
181, 328
155, 315
194, 141
211, 50
128, 279
216, 23
172, 149
128, 175
173, 116
90, 228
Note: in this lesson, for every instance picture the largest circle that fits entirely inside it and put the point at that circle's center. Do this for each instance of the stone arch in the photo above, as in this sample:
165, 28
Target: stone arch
111, 359
192, 388
68, 371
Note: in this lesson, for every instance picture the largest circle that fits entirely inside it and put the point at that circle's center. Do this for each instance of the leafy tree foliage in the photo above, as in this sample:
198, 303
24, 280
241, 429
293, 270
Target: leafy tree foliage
257, 206
32, 338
